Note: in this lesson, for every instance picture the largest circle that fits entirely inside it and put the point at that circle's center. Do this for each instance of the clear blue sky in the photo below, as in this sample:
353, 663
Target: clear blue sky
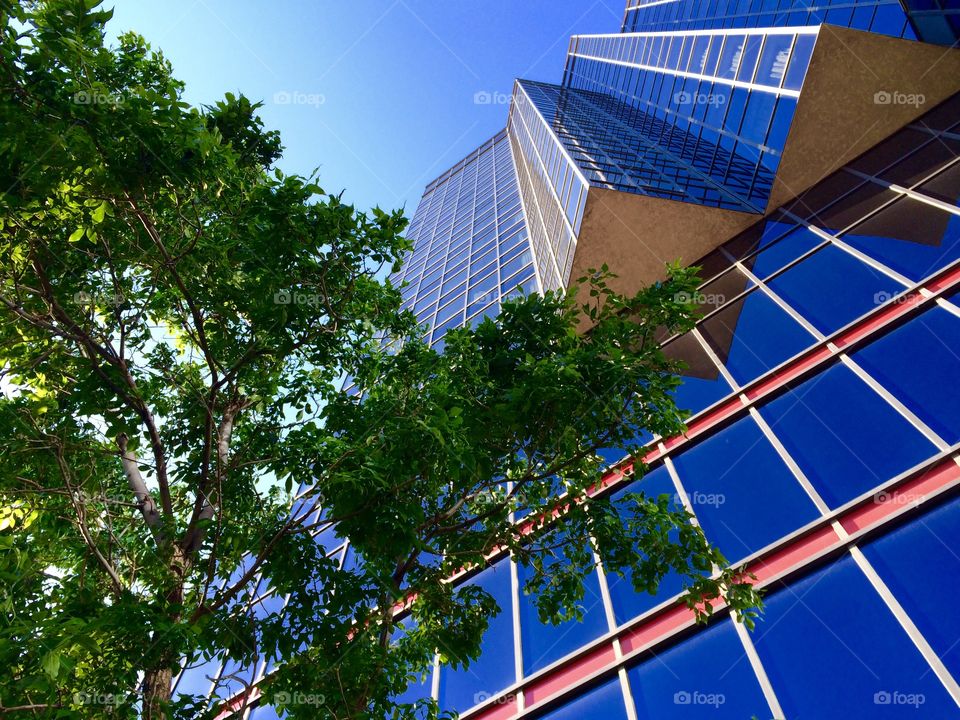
379, 94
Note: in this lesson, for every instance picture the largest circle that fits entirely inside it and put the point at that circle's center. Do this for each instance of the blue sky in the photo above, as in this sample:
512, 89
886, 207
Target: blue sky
379, 94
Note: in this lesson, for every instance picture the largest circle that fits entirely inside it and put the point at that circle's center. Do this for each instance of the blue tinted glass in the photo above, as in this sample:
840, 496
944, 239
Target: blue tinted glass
197, 679
627, 602
832, 649
797, 69
421, 685
701, 384
831, 288
742, 493
920, 564
753, 335
843, 435
542, 644
773, 60
785, 250
919, 364
707, 677
265, 712
494, 669
604, 703
911, 237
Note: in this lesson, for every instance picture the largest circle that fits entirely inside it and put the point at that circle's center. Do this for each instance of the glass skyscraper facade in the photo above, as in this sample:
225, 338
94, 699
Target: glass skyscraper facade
822, 381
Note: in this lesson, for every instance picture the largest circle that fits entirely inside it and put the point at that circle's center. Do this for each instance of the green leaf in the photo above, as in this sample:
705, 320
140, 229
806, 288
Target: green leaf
76, 234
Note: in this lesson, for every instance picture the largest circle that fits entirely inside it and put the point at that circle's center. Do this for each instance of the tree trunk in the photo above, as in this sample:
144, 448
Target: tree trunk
156, 693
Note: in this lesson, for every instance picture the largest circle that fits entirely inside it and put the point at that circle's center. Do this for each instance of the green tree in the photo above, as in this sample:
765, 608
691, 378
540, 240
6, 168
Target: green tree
175, 320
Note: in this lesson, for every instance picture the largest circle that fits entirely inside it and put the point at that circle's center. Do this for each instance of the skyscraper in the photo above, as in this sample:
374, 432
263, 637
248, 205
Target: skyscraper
807, 157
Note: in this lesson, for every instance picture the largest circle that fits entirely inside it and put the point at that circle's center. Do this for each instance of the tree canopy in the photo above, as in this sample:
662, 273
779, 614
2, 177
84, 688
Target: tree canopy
176, 319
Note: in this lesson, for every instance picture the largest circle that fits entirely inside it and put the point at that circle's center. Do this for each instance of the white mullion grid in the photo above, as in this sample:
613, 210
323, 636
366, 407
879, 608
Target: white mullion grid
527, 173
625, 692
663, 152
791, 464
755, 87
783, 305
769, 694
574, 168
889, 397
894, 402
517, 645
913, 632
920, 197
695, 331
556, 140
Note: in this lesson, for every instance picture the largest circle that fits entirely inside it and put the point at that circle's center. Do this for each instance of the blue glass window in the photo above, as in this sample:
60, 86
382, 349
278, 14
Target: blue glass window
543, 644
743, 494
785, 250
799, 60
832, 649
603, 703
627, 602
919, 364
844, 436
773, 61
920, 564
911, 237
701, 384
831, 288
753, 335
494, 669
706, 677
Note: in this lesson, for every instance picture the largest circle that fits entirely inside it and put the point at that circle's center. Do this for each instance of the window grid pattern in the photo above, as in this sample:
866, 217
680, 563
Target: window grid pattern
886, 17
719, 103
553, 187
470, 247
852, 221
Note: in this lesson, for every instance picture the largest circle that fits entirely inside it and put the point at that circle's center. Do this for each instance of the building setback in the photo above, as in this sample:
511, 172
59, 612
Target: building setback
807, 157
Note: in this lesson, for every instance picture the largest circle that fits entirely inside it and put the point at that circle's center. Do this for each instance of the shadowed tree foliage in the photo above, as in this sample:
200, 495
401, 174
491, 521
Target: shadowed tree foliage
175, 320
